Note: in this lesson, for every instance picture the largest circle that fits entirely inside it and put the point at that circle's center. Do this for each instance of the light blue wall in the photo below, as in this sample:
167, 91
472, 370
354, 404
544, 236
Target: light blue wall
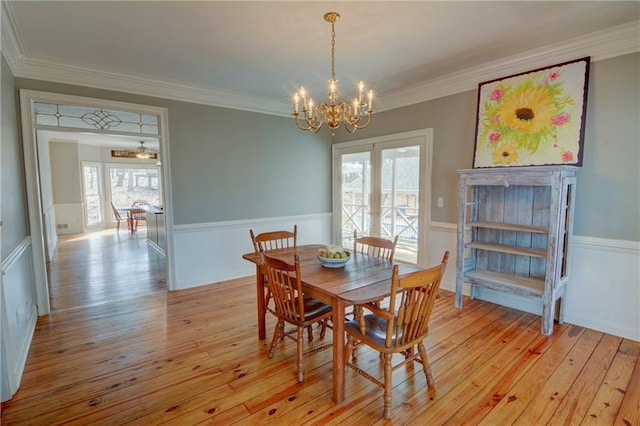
13, 204
17, 293
608, 195
227, 164
230, 165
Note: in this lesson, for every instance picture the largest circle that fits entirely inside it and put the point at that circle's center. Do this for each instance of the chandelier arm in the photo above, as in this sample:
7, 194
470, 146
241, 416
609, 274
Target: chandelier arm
358, 126
310, 127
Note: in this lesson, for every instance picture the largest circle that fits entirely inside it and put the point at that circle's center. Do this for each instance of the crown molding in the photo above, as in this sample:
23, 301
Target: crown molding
11, 46
615, 41
609, 43
48, 70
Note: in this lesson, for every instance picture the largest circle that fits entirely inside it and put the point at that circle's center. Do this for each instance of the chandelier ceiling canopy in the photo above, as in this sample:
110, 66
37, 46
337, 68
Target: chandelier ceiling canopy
354, 115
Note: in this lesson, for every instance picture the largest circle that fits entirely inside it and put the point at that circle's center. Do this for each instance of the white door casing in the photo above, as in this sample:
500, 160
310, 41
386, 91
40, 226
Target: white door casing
27, 100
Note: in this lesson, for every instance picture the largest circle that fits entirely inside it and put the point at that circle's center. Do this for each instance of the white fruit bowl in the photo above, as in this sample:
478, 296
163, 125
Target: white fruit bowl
334, 263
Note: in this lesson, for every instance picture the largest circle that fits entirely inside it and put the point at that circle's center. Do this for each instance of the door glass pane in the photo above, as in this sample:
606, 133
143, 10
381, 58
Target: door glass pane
128, 184
92, 194
356, 189
400, 200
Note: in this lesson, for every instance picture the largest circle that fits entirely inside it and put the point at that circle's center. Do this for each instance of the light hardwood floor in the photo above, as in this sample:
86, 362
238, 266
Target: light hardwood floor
103, 266
193, 357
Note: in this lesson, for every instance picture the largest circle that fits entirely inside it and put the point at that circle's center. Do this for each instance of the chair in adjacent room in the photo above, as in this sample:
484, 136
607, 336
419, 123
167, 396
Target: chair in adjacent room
290, 306
138, 213
400, 328
118, 217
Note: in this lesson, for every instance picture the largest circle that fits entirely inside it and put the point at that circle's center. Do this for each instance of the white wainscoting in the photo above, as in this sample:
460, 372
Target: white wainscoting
19, 314
71, 215
603, 294
212, 252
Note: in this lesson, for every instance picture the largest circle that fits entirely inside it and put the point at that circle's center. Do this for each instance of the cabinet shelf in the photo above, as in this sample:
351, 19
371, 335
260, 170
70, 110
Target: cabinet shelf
503, 248
525, 286
509, 227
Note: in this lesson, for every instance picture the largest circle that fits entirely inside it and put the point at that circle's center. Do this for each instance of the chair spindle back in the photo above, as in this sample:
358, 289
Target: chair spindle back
418, 292
286, 288
375, 246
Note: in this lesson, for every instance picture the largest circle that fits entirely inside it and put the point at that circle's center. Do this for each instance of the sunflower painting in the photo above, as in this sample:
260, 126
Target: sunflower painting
534, 118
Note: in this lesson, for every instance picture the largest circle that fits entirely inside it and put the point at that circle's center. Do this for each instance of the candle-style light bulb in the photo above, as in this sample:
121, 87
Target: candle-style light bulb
295, 103
370, 99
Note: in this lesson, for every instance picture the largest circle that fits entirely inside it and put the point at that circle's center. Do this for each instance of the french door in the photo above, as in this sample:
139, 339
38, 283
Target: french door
92, 186
381, 189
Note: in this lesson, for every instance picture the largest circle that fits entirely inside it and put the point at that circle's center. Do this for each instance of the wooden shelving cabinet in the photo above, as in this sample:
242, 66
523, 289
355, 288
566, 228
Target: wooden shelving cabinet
514, 233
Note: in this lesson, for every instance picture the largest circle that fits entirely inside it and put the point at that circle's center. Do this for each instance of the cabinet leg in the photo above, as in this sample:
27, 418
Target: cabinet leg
473, 292
548, 315
560, 309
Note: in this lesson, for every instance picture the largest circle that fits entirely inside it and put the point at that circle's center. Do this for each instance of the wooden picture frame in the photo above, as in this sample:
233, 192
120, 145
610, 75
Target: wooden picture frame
533, 118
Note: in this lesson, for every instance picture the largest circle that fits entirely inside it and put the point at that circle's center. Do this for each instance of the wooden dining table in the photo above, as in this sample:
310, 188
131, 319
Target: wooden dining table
363, 279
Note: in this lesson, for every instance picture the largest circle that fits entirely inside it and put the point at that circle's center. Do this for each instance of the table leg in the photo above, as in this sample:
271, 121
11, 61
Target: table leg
338, 350
262, 333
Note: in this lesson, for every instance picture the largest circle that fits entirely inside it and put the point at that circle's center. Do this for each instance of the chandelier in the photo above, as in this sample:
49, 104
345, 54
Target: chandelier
142, 152
355, 115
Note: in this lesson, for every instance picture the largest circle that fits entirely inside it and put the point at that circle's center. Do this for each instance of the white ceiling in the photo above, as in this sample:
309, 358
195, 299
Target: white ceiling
254, 55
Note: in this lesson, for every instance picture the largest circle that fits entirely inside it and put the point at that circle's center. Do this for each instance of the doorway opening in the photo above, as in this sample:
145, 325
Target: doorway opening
70, 115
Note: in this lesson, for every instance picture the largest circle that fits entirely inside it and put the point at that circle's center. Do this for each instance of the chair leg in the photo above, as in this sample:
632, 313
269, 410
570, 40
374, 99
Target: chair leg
426, 366
310, 333
388, 386
358, 315
348, 349
300, 354
323, 329
278, 333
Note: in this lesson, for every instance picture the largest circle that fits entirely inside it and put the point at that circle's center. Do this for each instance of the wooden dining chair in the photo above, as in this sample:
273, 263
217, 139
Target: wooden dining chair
118, 217
273, 240
137, 213
399, 328
292, 307
375, 246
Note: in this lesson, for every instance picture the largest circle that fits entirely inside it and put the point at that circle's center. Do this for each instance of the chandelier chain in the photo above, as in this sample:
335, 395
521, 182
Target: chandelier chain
333, 51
